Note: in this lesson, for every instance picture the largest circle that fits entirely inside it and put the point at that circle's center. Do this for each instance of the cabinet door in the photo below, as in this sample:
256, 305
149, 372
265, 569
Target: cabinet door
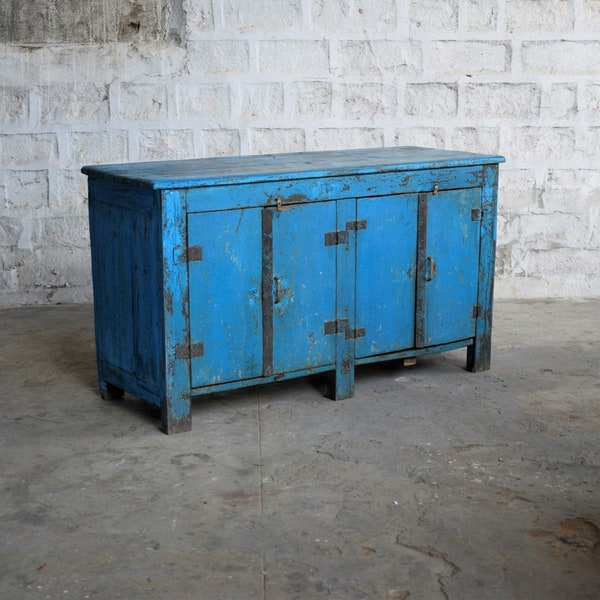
225, 295
386, 253
448, 268
300, 284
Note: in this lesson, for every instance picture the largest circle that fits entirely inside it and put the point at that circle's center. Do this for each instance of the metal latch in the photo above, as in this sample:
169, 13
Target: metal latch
341, 326
194, 253
333, 238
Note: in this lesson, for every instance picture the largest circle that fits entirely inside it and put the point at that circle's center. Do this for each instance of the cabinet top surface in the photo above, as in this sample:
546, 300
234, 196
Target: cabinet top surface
226, 170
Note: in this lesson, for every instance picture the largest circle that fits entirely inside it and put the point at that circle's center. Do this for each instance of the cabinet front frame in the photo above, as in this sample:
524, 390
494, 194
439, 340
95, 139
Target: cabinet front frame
277, 195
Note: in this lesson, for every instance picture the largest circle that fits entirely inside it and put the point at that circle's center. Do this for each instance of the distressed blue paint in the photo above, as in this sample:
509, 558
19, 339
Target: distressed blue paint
385, 274
175, 406
307, 286
252, 306
276, 167
225, 295
220, 197
453, 255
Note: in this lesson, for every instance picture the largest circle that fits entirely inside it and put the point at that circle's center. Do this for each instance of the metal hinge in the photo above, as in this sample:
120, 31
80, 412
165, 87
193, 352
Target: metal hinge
185, 351
476, 311
341, 326
476, 214
333, 238
194, 253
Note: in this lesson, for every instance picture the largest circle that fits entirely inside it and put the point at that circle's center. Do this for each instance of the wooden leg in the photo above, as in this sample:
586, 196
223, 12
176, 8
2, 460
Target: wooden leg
479, 354
341, 382
176, 414
108, 391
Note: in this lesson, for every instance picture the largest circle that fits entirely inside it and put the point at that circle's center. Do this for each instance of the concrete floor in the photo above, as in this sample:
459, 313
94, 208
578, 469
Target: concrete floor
431, 483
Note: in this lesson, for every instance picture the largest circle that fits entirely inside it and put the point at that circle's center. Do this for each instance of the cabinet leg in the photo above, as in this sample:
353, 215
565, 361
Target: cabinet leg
479, 354
341, 384
176, 416
108, 391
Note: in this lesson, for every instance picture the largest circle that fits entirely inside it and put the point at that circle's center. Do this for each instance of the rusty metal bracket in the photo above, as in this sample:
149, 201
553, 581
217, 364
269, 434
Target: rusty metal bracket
476, 214
194, 253
341, 326
185, 351
335, 326
334, 238
353, 334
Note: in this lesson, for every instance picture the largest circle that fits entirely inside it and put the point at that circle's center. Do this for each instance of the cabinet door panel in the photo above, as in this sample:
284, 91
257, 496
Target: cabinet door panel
386, 266
225, 295
452, 265
304, 286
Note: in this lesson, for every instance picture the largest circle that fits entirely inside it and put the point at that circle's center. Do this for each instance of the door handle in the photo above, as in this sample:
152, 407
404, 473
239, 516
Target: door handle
278, 290
432, 268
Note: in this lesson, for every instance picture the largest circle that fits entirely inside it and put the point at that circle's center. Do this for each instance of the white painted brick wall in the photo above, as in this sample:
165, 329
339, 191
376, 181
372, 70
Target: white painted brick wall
514, 77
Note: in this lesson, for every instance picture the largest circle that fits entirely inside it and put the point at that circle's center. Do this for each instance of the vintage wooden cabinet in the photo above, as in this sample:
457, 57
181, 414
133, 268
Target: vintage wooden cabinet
214, 274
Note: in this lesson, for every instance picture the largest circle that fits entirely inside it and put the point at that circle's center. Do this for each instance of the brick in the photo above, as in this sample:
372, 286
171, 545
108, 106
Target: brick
353, 15
83, 22
563, 265
537, 144
199, 16
68, 103
428, 137
369, 101
262, 15
347, 138
592, 100
589, 16
28, 189
24, 148
312, 99
221, 142
203, 101
547, 230
67, 231
217, 57
10, 231
90, 147
262, 100
481, 15
563, 100
71, 190
307, 57
592, 144
511, 100
142, 101
434, 15
269, 140
575, 191
391, 58
541, 15
14, 105
141, 63
562, 57
517, 191
472, 58
476, 139
431, 99
165, 144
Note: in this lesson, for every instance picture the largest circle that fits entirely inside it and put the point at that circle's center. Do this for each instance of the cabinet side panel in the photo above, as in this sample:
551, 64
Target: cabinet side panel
385, 272
127, 282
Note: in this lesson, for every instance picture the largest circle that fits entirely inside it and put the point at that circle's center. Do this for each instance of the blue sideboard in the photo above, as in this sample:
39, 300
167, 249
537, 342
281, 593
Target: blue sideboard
214, 274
